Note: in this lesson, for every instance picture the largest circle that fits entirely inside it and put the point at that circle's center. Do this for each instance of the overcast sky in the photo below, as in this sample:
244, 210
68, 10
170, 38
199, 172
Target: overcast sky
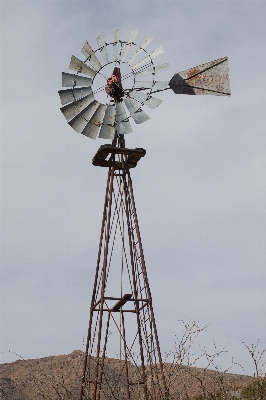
200, 191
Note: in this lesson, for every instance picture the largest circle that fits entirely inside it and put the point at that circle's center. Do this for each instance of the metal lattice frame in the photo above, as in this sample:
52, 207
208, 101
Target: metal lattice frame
137, 371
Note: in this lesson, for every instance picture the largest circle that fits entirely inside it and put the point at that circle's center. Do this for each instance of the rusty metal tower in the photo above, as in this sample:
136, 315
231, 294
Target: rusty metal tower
121, 314
123, 358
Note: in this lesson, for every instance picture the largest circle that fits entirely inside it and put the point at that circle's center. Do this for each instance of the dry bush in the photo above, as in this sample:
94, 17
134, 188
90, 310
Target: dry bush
186, 381
257, 389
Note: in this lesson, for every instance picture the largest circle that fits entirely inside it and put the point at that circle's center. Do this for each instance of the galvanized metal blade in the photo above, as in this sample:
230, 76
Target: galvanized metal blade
107, 130
122, 120
92, 128
153, 102
154, 85
70, 80
154, 70
144, 98
70, 95
154, 54
211, 78
80, 121
79, 66
136, 111
160, 85
91, 56
103, 49
127, 46
116, 37
75, 108
147, 41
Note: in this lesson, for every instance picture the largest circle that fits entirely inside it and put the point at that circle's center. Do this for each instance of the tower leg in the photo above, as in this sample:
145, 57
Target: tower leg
144, 271
104, 231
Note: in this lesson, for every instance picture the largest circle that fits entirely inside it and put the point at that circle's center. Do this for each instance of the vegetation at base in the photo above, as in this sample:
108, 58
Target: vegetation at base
255, 391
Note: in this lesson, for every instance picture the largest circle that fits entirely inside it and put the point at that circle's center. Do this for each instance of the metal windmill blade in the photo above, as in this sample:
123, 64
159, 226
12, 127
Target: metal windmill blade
147, 41
76, 107
146, 99
85, 114
80, 121
102, 47
70, 95
122, 121
70, 80
147, 59
154, 85
153, 70
91, 56
128, 44
135, 111
80, 67
116, 37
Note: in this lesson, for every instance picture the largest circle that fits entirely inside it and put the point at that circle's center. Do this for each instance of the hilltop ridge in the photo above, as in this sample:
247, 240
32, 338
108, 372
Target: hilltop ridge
51, 376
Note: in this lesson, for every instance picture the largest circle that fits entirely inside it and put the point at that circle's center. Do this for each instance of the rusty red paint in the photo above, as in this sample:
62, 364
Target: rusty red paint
193, 71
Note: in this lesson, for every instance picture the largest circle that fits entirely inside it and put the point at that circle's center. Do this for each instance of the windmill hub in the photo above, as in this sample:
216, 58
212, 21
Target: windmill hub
114, 86
106, 79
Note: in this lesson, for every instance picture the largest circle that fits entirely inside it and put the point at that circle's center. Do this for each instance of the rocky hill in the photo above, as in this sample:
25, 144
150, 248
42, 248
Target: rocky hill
58, 377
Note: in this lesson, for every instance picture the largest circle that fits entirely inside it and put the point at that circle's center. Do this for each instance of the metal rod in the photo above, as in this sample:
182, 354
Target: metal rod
134, 283
147, 283
95, 285
103, 356
125, 350
107, 236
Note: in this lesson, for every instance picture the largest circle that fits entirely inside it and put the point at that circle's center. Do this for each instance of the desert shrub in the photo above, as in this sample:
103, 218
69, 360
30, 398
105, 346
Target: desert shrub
255, 391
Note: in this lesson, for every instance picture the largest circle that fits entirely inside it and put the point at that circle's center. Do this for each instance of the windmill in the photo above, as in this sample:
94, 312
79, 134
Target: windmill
123, 357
